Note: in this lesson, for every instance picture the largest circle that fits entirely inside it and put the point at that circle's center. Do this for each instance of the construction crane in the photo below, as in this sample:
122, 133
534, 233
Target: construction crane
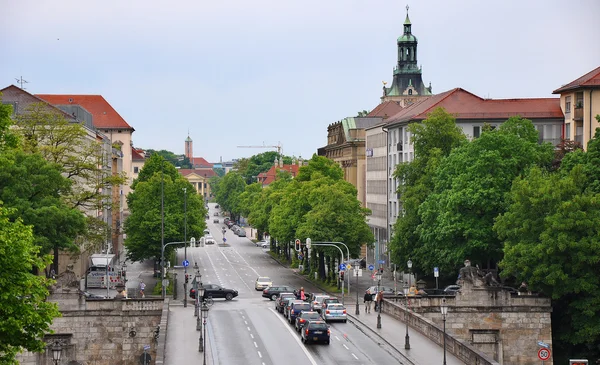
278, 147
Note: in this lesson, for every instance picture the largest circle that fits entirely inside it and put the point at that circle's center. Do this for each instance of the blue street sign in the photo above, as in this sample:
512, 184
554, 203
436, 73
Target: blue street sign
300, 257
146, 347
186, 263
381, 262
224, 239
543, 344
343, 267
371, 267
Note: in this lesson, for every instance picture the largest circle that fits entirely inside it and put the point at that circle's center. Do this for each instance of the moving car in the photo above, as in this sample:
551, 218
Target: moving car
451, 289
387, 291
273, 291
316, 300
296, 308
326, 301
304, 318
241, 232
216, 214
281, 301
216, 220
334, 312
217, 206
215, 291
209, 240
316, 331
262, 282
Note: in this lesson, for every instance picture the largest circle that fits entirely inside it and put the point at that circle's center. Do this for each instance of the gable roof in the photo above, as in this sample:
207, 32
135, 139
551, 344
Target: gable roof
200, 172
386, 109
268, 177
201, 162
465, 105
136, 154
590, 79
13, 90
105, 116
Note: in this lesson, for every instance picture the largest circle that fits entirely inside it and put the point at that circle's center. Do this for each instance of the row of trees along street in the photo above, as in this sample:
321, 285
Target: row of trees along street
317, 203
51, 175
506, 202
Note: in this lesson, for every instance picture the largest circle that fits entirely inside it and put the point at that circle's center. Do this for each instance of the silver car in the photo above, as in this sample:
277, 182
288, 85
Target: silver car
334, 312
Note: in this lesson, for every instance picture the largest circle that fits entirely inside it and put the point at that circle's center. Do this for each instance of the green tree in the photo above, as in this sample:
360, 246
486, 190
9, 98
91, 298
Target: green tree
33, 187
144, 225
25, 314
262, 162
433, 140
8, 139
231, 187
261, 208
469, 193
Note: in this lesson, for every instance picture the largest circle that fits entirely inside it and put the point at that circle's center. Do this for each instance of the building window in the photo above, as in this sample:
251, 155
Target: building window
136, 170
567, 104
409, 91
568, 131
476, 131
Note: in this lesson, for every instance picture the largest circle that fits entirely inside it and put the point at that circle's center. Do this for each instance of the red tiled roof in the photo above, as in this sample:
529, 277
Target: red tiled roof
105, 116
199, 172
386, 109
200, 161
465, 105
590, 79
136, 154
269, 176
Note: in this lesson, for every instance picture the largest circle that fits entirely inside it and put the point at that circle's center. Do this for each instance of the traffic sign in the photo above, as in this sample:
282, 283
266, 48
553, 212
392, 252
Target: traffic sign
381, 261
436, 272
146, 347
186, 263
342, 267
544, 354
348, 266
300, 257
224, 239
543, 344
371, 267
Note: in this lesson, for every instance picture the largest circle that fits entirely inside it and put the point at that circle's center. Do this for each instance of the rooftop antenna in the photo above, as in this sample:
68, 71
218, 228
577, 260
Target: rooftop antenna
21, 81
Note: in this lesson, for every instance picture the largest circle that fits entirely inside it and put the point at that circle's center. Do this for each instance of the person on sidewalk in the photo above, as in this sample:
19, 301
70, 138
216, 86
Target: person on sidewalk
378, 301
142, 288
368, 299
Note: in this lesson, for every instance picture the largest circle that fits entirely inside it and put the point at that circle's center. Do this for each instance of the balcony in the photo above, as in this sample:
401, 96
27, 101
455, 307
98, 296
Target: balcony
578, 114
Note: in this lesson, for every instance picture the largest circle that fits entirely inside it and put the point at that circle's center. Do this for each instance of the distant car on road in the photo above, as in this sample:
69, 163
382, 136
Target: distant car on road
282, 301
217, 206
241, 232
304, 318
262, 283
216, 214
209, 240
387, 291
216, 220
316, 331
260, 243
334, 312
215, 291
273, 291
451, 289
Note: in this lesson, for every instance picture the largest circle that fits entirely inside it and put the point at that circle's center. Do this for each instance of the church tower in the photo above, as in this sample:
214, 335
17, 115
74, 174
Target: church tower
189, 153
407, 85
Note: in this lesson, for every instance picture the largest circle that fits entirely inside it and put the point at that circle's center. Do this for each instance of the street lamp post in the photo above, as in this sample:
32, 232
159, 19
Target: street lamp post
56, 353
200, 294
409, 263
378, 275
205, 316
357, 305
407, 337
162, 264
444, 310
185, 246
197, 277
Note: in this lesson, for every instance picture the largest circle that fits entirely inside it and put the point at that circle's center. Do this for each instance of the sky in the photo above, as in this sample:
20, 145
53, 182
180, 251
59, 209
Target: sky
269, 72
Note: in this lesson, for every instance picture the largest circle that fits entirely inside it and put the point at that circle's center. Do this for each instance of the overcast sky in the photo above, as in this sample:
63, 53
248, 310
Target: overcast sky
239, 72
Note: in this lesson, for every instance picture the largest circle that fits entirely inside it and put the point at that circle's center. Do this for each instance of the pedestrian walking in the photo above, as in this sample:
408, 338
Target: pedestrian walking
378, 301
368, 299
142, 288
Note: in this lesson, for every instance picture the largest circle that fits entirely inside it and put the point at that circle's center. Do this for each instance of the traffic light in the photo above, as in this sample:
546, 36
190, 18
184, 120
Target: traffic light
381, 270
297, 243
578, 362
187, 278
342, 275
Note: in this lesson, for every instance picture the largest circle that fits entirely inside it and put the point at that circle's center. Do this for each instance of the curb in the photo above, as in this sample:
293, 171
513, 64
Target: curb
355, 321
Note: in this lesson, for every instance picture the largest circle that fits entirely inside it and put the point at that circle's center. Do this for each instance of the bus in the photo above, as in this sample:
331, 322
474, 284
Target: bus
103, 270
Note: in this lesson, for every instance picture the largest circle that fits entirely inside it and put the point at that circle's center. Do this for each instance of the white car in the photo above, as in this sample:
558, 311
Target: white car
265, 245
209, 240
260, 243
262, 282
334, 312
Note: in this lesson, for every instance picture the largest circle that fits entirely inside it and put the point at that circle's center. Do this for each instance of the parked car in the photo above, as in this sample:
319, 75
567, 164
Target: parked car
241, 232
315, 300
282, 299
303, 318
216, 214
316, 331
334, 312
215, 291
260, 243
451, 289
296, 308
234, 228
262, 283
387, 291
217, 206
209, 240
273, 291
216, 220
265, 245
326, 301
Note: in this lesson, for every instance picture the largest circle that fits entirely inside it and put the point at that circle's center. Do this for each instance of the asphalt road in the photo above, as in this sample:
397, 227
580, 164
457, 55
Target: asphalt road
248, 330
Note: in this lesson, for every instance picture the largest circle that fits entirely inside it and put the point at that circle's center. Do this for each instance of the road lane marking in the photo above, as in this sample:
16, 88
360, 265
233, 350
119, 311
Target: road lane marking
346, 347
255, 344
252, 336
354, 356
295, 336
234, 269
337, 338
259, 355
246, 322
248, 328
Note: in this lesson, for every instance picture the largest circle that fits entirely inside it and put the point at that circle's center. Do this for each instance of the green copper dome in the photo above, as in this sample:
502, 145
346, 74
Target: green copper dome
407, 38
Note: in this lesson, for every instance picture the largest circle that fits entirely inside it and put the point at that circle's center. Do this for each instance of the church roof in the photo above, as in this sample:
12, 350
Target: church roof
386, 109
465, 105
590, 79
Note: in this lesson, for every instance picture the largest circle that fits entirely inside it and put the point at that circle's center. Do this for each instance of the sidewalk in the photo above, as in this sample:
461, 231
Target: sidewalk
393, 332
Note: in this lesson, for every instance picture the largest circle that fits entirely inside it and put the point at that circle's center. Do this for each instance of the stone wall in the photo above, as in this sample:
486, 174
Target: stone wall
103, 331
504, 326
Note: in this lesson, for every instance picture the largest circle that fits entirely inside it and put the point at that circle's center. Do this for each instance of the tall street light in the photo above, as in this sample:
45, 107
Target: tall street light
407, 291
200, 294
444, 310
197, 278
379, 305
204, 316
357, 305
185, 247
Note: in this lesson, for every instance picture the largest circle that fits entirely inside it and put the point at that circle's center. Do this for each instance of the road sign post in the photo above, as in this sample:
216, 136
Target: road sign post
544, 354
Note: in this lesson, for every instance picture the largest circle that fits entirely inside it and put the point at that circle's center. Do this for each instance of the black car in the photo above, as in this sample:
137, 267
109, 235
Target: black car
305, 317
274, 291
280, 302
315, 331
215, 291
296, 309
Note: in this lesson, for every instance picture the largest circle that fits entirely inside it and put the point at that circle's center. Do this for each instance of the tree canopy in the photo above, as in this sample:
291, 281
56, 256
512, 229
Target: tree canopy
249, 168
